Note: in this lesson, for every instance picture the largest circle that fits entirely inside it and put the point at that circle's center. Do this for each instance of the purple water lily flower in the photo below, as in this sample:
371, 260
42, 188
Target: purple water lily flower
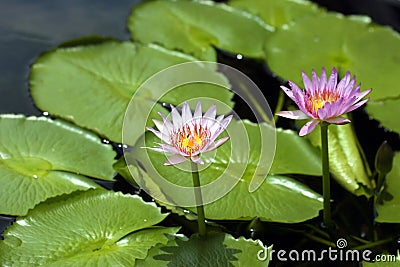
187, 136
324, 100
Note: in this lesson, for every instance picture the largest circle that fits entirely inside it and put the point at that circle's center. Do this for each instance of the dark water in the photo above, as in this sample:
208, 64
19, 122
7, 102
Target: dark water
28, 28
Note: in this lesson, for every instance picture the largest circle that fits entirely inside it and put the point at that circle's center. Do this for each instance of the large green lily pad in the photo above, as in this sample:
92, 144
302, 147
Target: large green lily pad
92, 85
345, 161
279, 198
331, 40
277, 13
217, 249
93, 228
388, 211
386, 112
42, 158
196, 26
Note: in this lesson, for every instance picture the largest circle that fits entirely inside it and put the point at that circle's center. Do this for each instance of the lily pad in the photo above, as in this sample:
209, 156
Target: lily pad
279, 198
277, 13
93, 228
348, 43
388, 211
196, 27
42, 158
92, 85
345, 162
217, 249
385, 111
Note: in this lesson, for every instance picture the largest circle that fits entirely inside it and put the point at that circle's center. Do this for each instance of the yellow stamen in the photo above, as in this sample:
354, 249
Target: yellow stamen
191, 140
319, 101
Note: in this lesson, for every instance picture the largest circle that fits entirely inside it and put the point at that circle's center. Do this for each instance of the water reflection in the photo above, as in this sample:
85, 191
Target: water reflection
28, 28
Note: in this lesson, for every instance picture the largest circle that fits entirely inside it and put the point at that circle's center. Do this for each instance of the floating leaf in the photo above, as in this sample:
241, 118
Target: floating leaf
94, 228
385, 111
277, 13
42, 158
92, 85
345, 162
389, 211
278, 199
196, 26
217, 249
348, 43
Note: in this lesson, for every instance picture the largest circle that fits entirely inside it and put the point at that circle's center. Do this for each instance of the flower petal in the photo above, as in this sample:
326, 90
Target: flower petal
363, 94
288, 92
331, 86
357, 105
338, 120
167, 127
308, 127
160, 135
307, 82
294, 114
322, 80
197, 112
186, 113
176, 118
197, 160
211, 113
175, 159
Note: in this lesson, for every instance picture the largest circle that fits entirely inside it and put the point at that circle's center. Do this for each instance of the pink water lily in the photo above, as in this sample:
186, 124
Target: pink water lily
187, 136
324, 100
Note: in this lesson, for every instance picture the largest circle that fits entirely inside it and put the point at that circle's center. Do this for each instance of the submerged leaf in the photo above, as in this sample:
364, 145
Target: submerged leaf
93, 228
42, 158
217, 249
196, 27
345, 162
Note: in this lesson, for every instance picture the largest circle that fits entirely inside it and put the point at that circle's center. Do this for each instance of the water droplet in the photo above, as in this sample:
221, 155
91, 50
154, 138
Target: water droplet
35, 176
105, 141
145, 220
186, 211
239, 56
45, 113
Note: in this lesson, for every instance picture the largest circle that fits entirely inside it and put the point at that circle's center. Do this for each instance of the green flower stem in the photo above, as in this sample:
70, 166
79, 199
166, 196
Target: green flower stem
199, 200
326, 182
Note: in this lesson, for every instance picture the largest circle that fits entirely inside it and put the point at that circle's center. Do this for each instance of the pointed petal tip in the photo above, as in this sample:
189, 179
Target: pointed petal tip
308, 127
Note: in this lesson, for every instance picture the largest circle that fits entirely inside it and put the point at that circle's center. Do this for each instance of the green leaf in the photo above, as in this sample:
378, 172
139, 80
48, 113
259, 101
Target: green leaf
42, 158
277, 13
348, 43
93, 228
345, 162
196, 26
388, 211
295, 155
92, 85
279, 198
385, 111
217, 249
